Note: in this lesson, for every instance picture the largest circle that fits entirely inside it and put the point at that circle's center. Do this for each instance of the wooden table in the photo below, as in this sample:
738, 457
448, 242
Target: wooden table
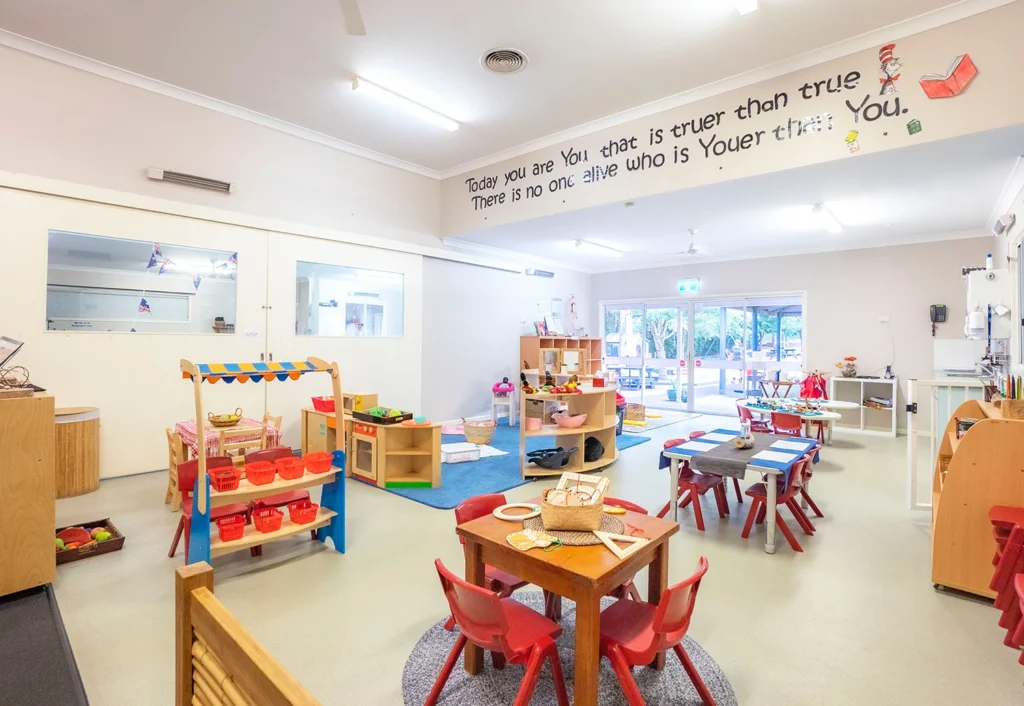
582, 574
775, 385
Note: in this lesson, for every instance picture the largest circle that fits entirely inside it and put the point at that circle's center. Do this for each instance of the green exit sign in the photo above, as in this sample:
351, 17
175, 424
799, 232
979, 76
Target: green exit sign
689, 285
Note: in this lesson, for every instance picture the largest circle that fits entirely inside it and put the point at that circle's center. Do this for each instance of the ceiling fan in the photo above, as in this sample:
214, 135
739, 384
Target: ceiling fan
353, 18
693, 249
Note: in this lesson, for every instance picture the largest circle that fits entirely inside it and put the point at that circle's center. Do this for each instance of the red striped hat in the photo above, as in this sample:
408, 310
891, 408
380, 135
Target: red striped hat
885, 53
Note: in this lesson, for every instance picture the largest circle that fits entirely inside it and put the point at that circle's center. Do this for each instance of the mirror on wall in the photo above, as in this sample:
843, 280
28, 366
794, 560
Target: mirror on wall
334, 300
96, 283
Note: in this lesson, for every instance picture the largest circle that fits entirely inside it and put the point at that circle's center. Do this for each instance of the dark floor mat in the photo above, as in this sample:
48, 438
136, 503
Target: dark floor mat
36, 663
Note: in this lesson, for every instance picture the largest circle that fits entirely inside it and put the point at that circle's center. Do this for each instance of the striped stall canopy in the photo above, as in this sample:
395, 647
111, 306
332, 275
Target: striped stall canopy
244, 372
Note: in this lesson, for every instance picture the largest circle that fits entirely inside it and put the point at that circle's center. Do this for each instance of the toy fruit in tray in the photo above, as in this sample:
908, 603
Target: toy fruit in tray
382, 415
225, 420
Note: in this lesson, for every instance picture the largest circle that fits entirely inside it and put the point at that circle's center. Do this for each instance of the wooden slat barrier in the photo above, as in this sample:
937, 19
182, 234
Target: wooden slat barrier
217, 661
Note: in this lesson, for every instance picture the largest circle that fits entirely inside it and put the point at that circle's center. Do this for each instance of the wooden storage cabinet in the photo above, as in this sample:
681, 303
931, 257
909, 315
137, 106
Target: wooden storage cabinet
27, 495
397, 456
535, 350
598, 403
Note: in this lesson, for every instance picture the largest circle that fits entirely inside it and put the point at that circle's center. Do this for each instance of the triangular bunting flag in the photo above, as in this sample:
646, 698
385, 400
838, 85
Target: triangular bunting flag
196, 279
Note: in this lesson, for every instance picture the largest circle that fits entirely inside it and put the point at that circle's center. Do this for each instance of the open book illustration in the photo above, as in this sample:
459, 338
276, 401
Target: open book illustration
960, 73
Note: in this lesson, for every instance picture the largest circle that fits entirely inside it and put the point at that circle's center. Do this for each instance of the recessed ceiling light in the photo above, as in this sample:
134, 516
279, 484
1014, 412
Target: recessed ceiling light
597, 248
745, 7
825, 219
383, 95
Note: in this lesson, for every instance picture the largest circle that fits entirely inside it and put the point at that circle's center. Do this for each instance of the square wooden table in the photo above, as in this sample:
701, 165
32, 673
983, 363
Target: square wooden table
581, 574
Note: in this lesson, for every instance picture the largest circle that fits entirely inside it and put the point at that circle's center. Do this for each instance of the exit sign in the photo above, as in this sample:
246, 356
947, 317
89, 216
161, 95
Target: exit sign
689, 285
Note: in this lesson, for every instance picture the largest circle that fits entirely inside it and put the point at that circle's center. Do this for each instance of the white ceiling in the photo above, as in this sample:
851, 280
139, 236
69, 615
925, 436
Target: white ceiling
934, 191
589, 59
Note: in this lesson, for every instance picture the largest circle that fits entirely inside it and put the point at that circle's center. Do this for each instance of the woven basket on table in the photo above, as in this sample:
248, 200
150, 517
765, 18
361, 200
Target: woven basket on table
558, 517
479, 431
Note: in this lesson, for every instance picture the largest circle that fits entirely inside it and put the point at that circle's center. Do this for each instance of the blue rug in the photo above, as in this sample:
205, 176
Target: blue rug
495, 474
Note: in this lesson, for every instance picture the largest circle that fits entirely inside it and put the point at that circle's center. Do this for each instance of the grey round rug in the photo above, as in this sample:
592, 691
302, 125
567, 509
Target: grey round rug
498, 688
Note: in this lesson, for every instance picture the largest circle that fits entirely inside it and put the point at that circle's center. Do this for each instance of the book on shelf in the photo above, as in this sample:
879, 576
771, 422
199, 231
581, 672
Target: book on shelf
960, 73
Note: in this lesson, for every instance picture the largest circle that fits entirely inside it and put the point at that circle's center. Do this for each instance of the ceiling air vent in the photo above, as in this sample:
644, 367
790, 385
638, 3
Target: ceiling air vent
504, 61
189, 180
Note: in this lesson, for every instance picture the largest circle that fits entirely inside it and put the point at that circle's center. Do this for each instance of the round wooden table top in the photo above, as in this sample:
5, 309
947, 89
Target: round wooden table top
60, 411
821, 415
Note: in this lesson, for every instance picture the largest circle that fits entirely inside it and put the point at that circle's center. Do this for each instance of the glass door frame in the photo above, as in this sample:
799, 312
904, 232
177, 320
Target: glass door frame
687, 307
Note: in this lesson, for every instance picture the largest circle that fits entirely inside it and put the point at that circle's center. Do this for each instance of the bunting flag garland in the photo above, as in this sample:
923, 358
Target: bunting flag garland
133, 330
156, 250
163, 265
196, 279
152, 261
233, 260
144, 307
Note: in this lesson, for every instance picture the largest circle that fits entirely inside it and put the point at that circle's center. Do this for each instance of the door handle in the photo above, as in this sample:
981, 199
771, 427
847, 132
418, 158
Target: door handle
271, 357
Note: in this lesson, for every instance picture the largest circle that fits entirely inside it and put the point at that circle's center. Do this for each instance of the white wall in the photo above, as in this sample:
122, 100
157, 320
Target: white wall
67, 124
472, 320
847, 292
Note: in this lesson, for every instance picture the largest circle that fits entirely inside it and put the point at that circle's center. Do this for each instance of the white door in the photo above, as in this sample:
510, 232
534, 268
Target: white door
360, 307
133, 378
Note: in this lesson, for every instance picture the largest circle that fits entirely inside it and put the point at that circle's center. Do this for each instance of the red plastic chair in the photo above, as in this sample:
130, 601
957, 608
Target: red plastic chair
687, 479
628, 589
807, 478
633, 633
501, 582
1015, 637
787, 424
755, 424
759, 493
507, 629
188, 471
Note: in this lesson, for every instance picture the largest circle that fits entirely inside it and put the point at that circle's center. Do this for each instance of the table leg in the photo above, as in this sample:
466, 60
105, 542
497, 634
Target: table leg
828, 433
474, 575
588, 650
807, 428
769, 544
657, 582
673, 491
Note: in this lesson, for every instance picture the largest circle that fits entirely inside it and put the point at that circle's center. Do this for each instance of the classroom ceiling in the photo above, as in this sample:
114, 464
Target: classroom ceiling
588, 59
940, 190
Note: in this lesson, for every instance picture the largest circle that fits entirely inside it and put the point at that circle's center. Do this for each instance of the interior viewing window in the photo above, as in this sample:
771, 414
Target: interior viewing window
1020, 302
333, 300
96, 283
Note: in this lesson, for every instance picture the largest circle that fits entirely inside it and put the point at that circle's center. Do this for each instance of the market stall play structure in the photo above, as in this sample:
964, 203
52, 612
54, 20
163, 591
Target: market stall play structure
330, 518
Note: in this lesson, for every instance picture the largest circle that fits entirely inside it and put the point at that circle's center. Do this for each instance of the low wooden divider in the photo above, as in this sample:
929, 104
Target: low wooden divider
217, 661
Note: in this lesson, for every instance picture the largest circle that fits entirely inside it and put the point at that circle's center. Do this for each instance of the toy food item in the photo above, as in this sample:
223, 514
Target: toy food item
95, 531
72, 545
395, 413
102, 536
59, 543
528, 539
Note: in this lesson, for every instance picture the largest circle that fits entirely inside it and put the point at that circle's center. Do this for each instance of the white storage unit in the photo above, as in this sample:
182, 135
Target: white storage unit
866, 420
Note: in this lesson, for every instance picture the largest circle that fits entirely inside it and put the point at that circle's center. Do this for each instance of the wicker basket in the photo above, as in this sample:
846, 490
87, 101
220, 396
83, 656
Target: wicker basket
558, 517
636, 412
479, 431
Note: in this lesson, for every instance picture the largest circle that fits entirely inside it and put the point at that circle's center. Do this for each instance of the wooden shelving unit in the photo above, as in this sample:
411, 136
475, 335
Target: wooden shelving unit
396, 456
865, 420
548, 353
973, 473
598, 403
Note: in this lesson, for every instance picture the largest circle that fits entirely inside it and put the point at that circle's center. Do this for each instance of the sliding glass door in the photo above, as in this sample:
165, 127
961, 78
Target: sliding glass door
703, 355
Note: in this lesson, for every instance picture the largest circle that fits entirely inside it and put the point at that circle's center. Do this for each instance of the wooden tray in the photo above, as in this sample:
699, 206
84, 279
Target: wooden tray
115, 543
385, 421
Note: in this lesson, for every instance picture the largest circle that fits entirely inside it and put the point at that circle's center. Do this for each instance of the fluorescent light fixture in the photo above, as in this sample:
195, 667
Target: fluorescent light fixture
597, 248
745, 7
404, 104
540, 273
824, 218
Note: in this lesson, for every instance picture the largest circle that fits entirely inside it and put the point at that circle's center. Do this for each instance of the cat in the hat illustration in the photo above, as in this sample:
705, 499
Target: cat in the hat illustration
889, 71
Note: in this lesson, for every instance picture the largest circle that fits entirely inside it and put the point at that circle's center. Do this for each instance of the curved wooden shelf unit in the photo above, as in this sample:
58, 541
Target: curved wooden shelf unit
982, 469
598, 403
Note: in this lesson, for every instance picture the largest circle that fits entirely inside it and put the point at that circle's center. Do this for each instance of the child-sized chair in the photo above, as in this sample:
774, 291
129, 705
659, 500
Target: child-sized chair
188, 471
173, 496
787, 497
633, 633
804, 494
507, 629
501, 582
755, 424
787, 424
687, 478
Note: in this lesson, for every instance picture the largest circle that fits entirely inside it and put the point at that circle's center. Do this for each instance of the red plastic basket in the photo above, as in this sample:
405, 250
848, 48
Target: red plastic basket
260, 472
302, 512
224, 478
231, 527
318, 461
290, 468
267, 519
323, 404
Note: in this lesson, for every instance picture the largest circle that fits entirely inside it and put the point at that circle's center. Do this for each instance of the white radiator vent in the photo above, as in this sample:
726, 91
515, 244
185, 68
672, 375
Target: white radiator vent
158, 174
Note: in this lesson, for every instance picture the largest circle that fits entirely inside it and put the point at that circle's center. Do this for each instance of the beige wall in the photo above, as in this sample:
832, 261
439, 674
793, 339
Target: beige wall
67, 124
992, 100
472, 320
847, 292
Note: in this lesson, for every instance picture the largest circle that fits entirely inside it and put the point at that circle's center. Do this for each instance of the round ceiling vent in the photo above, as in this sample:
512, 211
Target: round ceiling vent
504, 61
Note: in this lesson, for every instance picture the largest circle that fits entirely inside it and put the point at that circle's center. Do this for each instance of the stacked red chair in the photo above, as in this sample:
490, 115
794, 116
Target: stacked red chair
510, 631
1008, 578
787, 497
633, 633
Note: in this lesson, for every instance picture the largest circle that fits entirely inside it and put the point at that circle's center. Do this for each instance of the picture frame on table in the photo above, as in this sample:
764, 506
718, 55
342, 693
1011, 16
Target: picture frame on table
541, 327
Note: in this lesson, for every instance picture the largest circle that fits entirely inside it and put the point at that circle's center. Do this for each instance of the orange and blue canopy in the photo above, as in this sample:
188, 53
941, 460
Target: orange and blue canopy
244, 372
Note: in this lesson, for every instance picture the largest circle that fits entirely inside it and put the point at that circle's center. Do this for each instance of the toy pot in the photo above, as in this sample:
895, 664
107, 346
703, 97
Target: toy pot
533, 424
